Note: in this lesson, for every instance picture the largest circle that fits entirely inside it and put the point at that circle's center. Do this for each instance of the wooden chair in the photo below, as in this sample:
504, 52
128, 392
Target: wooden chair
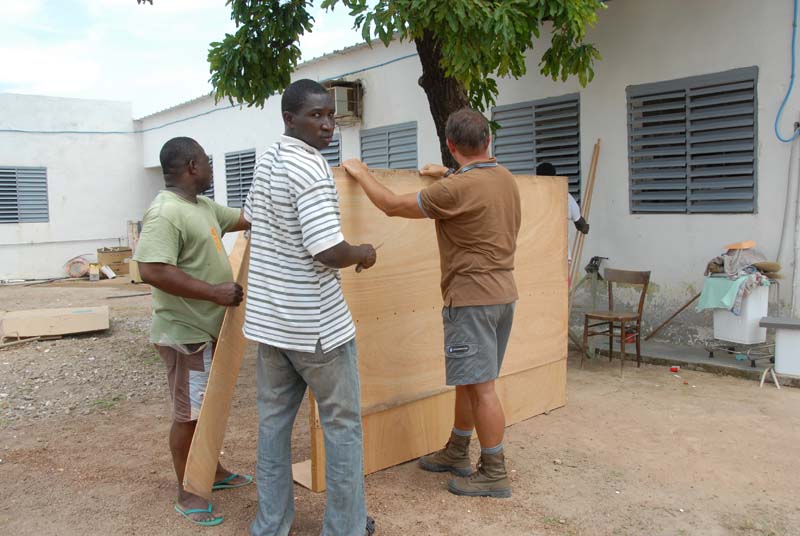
630, 322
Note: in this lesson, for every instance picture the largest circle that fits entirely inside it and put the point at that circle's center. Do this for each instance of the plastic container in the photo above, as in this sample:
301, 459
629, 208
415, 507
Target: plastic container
108, 272
744, 329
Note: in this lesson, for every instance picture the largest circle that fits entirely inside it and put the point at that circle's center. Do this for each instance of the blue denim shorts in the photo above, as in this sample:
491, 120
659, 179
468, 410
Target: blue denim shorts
475, 340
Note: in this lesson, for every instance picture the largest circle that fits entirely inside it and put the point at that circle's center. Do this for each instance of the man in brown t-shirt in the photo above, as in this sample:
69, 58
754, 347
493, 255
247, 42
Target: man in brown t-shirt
477, 213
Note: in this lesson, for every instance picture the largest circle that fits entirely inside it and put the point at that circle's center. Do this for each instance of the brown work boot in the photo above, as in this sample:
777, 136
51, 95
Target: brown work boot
490, 480
454, 457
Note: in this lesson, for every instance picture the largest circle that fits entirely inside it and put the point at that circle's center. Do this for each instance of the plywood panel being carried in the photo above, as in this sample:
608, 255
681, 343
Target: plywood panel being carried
397, 309
201, 464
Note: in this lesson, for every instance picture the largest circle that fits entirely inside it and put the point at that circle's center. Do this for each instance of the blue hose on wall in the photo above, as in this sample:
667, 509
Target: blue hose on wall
791, 82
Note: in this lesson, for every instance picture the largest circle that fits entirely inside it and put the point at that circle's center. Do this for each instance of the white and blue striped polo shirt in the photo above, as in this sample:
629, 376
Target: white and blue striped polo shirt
294, 301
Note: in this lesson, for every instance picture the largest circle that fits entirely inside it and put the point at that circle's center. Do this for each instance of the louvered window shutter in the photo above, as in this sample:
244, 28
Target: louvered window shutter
23, 195
239, 167
333, 152
557, 137
546, 130
692, 144
9, 204
657, 151
390, 147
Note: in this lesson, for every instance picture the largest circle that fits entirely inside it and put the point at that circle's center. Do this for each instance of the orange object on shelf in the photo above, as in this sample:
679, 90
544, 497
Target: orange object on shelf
747, 244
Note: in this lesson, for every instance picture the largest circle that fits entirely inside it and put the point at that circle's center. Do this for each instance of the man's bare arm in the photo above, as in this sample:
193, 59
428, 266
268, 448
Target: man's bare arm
404, 206
175, 281
343, 255
241, 225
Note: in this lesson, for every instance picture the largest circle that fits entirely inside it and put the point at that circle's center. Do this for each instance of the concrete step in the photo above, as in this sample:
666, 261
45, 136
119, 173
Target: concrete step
694, 358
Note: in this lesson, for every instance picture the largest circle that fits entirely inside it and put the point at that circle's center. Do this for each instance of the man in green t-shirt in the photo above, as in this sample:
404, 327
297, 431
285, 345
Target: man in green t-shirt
180, 254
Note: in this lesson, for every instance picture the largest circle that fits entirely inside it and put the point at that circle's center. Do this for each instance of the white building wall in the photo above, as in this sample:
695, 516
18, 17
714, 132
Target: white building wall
644, 41
652, 41
391, 96
641, 41
95, 181
221, 128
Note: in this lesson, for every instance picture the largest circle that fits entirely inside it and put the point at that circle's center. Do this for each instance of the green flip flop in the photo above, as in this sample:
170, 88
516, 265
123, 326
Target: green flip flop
225, 482
206, 523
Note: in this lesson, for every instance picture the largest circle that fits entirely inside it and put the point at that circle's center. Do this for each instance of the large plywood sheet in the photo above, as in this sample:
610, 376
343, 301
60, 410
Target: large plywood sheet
397, 309
411, 430
201, 464
397, 303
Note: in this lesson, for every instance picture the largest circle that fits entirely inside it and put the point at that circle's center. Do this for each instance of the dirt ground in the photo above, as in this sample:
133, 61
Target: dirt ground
83, 450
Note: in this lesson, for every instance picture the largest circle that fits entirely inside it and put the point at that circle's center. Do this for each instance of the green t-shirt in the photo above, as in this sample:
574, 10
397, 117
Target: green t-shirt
187, 235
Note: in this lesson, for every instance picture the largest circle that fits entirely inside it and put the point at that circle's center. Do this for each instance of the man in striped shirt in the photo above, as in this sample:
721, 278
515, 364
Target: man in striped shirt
297, 313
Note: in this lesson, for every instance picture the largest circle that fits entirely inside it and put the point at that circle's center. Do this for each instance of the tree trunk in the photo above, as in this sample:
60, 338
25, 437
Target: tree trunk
445, 95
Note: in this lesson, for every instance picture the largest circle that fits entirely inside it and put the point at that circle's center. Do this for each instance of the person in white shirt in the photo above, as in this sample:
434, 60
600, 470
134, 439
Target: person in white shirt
297, 313
546, 169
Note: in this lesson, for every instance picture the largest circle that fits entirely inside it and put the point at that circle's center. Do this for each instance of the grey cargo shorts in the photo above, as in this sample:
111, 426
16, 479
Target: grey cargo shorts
475, 340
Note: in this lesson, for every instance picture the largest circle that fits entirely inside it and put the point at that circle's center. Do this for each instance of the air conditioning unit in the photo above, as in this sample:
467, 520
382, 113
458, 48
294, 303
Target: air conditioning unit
343, 101
346, 98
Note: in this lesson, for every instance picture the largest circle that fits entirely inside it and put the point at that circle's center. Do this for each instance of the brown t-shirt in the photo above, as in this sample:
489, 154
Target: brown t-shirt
477, 213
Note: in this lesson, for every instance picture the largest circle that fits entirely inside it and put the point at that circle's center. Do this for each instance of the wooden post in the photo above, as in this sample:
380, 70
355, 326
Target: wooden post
577, 246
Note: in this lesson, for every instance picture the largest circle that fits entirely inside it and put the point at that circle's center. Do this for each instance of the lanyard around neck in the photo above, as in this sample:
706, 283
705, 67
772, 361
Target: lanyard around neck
477, 166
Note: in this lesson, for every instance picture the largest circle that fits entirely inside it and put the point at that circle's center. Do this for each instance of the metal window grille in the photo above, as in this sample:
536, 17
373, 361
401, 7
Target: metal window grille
545, 130
239, 167
692, 144
390, 147
23, 195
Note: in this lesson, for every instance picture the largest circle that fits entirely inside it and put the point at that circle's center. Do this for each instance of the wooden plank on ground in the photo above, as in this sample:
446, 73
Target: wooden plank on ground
210, 431
47, 322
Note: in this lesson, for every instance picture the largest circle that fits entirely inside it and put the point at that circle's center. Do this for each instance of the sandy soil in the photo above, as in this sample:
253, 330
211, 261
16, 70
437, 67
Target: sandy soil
641, 455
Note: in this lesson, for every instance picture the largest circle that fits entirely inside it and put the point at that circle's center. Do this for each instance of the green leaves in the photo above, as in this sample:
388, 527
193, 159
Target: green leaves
257, 61
565, 58
479, 40
484, 38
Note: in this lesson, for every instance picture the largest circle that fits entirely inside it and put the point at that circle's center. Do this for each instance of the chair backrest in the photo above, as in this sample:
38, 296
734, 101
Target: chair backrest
627, 277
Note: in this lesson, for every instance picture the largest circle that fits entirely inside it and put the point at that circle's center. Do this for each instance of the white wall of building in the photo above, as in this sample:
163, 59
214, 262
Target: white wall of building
644, 41
391, 96
228, 129
95, 181
641, 41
